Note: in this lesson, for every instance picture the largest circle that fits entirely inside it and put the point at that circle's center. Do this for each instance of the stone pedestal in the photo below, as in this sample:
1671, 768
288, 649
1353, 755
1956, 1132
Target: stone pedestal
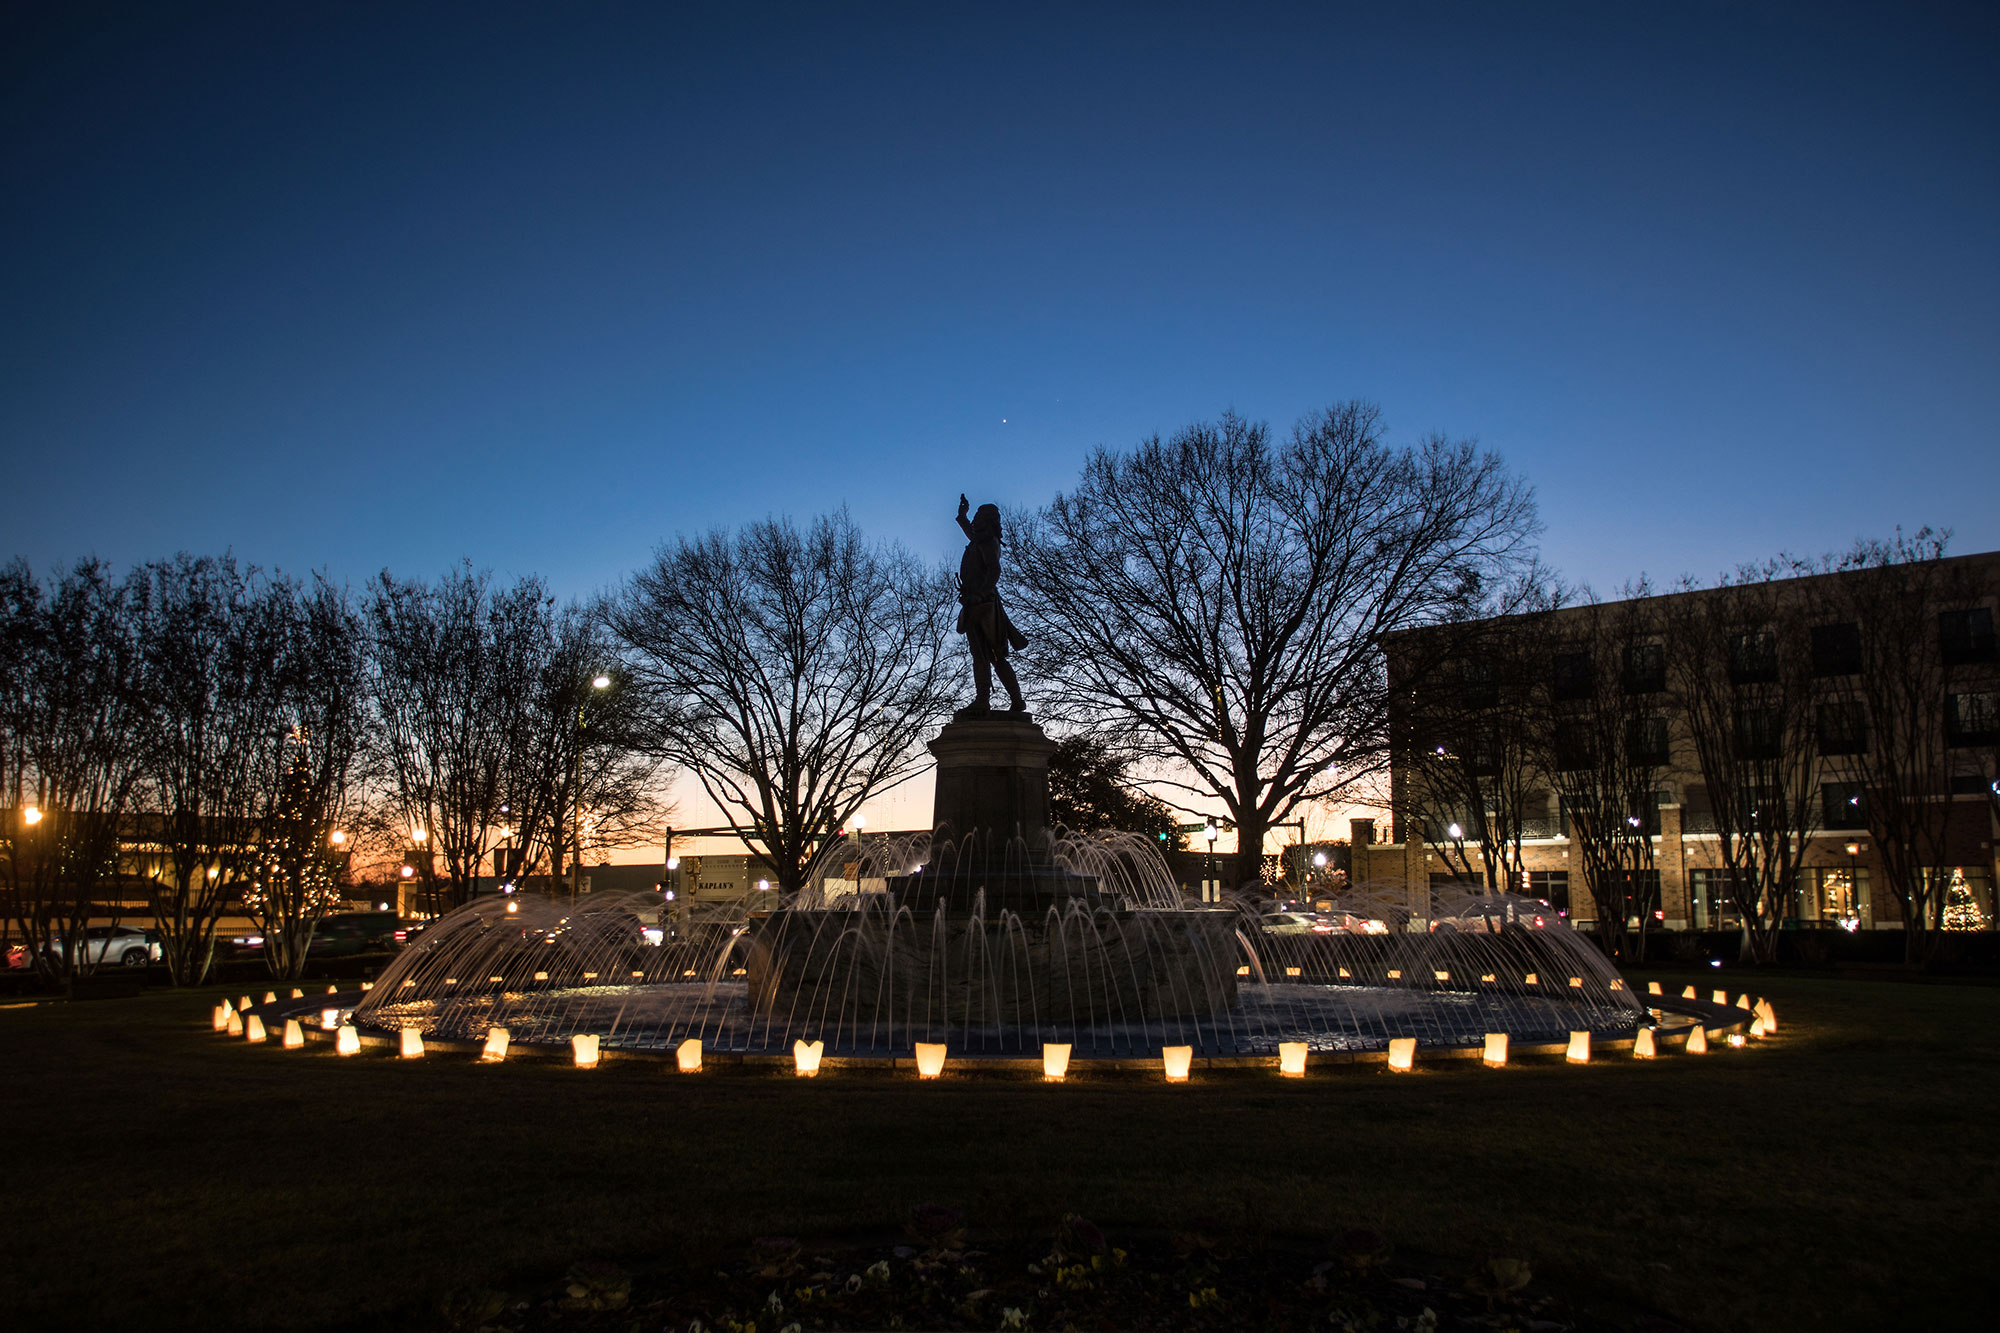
992, 775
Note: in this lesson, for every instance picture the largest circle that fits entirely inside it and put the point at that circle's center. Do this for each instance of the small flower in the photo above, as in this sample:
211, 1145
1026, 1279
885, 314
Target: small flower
879, 1271
1011, 1318
853, 1282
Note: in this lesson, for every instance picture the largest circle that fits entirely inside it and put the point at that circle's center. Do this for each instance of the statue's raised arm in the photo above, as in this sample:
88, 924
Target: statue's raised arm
982, 619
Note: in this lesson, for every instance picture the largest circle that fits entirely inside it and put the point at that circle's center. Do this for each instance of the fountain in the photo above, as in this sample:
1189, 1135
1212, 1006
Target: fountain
995, 935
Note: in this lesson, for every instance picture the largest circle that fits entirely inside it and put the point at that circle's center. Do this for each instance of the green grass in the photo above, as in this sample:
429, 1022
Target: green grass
1841, 1175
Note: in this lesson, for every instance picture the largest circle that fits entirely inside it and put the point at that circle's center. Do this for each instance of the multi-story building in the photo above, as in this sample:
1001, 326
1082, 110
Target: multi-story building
1837, 733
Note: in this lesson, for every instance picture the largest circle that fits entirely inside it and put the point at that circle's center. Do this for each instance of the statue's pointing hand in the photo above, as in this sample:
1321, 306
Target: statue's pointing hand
964, 505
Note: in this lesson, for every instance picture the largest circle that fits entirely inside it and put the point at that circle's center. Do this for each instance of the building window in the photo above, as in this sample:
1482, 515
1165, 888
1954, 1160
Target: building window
1480, 684
1645, 669
1973, 719
1835, 897
1710, 901
1646, 742
1551, 886
1836, 649
1753, 657
1843, 805
1573, 747
1972, 784
1574, 676
1760, 733
1635, 892
1842, 727
1966, 636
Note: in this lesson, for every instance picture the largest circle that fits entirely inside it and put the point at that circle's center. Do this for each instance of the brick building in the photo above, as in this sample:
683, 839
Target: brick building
1823, 713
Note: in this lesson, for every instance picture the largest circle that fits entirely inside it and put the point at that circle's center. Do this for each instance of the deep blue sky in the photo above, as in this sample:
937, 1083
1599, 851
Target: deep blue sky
345, 286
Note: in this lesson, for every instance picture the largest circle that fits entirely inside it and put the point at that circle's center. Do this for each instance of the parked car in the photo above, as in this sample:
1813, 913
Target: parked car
355, 932
1287, 923
123, 945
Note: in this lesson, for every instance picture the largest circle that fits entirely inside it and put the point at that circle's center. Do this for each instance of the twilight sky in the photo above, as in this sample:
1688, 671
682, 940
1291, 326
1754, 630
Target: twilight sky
345, 286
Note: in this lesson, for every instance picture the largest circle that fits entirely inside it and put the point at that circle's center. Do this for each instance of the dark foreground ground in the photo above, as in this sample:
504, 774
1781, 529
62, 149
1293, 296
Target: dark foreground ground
1841, 1175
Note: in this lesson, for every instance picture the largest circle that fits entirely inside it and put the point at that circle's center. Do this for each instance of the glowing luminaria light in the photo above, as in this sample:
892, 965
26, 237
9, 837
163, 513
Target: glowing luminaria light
298, 994
1292, 1059
1489, 977
1579, 1048
244, 1004
930, 1059
1698, 1041
1402, 1054
295, 1036
348, 1040
1688, 994
1768, 1014
1756, 1027
1440, 976
1642, 1045
497, 1041
1243, 971
329, 1019
1345, 973
412, 1044
1055, 1060
1176, 1060
1617, 984
367, 985
1496, 1050
583, 1046
1293, 971
496, 980
233, 1025
805, 1057
253, 1028
1395, 974
1743, 1001
220, 1018
1719, 997
688, 1055
1736, 1039
541, 976
1576, 983
1653, 988
332, 989
270, 997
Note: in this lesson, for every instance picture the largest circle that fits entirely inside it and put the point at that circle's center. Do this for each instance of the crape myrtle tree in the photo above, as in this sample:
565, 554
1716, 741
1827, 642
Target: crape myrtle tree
793, 673
1470, 761
1602, 731
1899, 641
69, 763
1220, 597
576, 774
454, 670
1739, 668
213, 641
311, 768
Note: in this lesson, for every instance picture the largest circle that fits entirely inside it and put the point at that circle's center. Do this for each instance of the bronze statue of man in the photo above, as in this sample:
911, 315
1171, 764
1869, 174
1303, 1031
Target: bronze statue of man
981, 617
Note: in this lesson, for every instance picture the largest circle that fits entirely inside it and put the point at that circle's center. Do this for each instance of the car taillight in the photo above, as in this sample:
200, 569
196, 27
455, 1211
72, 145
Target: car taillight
402, 935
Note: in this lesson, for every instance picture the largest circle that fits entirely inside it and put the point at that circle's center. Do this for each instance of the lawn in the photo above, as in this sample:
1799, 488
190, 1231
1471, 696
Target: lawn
1840, 1175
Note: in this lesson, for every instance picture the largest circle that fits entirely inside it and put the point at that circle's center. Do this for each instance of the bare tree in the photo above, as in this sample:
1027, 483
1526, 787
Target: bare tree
1471, 768
1603, 733
69, 735
1740, 666
319, 724
1900, 640
454, 666
577, 781
794, 674
213, 635
1223, 599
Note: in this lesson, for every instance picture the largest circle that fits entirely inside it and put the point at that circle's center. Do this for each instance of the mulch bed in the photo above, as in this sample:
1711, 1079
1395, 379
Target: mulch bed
1079, 1279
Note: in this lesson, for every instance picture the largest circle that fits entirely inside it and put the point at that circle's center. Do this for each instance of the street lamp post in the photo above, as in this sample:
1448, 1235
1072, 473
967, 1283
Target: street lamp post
1208, 874
599, 682
1854, 879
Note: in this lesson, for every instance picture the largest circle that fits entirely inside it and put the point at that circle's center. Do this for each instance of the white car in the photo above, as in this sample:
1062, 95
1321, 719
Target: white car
1287, 923
117, 944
